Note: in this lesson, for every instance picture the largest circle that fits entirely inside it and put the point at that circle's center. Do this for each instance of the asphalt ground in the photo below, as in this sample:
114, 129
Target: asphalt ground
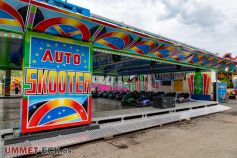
211, 136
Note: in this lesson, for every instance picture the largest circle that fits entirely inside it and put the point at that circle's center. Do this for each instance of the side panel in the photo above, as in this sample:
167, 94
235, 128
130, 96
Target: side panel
13, 15
57, 82
222, 91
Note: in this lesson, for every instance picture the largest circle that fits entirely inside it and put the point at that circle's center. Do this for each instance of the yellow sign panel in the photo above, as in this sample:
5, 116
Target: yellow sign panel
178, 85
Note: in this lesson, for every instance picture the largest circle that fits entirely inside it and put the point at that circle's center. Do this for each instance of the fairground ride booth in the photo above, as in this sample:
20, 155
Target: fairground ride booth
92, 77
230, 77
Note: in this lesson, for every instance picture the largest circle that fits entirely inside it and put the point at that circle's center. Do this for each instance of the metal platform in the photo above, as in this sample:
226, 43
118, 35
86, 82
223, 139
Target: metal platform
101, 108
111, 128
130, 111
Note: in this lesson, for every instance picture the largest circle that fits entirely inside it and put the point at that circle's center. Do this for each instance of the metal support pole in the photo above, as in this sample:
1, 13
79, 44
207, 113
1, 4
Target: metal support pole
110, 83
217, 97
129, 83
7, 85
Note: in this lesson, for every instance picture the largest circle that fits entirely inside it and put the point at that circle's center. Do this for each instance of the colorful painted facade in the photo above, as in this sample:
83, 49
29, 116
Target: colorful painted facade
20, 15
58, 42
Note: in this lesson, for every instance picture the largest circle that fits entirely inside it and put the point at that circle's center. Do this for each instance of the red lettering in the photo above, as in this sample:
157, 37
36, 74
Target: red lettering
68, 57
62, 77
87, 83
23, 150
36, 149
79, 82
52, 82
76, 59
47, 56
30, 150
15, 150
7, 150
42, 81
58, 56
71, 76
30, 80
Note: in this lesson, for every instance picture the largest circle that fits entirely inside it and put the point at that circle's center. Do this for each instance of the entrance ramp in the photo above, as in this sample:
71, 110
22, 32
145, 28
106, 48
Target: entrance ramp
110, 129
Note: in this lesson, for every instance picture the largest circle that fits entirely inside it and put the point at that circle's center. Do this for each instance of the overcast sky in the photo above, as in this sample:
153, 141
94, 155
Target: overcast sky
206, 24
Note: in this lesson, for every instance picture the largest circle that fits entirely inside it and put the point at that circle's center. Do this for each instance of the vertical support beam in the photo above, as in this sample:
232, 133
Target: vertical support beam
30, 16
7, 86
116, 83
129, 83
217, 97
110, 83
2, 112
138, 84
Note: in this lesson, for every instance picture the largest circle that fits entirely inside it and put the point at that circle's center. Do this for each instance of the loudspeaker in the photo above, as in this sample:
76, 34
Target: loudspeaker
116, 58
197, 70
152, 63
178, 67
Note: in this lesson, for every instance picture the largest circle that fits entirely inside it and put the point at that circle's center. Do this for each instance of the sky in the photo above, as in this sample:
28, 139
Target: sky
206, 24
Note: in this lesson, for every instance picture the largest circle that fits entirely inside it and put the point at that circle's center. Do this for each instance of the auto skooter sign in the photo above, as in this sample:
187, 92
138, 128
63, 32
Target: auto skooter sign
57, 83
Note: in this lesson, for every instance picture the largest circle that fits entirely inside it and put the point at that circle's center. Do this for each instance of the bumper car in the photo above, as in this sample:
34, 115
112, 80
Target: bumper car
95, 94
150, 95
101, 93
119, 96
113, 95
128, 100
183, 97
106, 95
143, 101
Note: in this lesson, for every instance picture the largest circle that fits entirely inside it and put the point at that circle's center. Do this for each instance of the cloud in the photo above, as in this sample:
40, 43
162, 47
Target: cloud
194, 13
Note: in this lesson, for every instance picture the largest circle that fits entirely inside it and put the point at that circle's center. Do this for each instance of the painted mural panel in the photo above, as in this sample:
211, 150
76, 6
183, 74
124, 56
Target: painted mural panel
57, 83
226, 77
13, 15
199, 83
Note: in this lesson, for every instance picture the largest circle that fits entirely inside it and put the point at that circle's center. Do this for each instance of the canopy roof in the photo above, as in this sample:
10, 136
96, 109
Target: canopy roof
66, 20
105, 64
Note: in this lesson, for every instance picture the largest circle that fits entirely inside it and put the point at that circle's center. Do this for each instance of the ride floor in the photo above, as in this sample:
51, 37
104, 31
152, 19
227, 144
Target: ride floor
109, 108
